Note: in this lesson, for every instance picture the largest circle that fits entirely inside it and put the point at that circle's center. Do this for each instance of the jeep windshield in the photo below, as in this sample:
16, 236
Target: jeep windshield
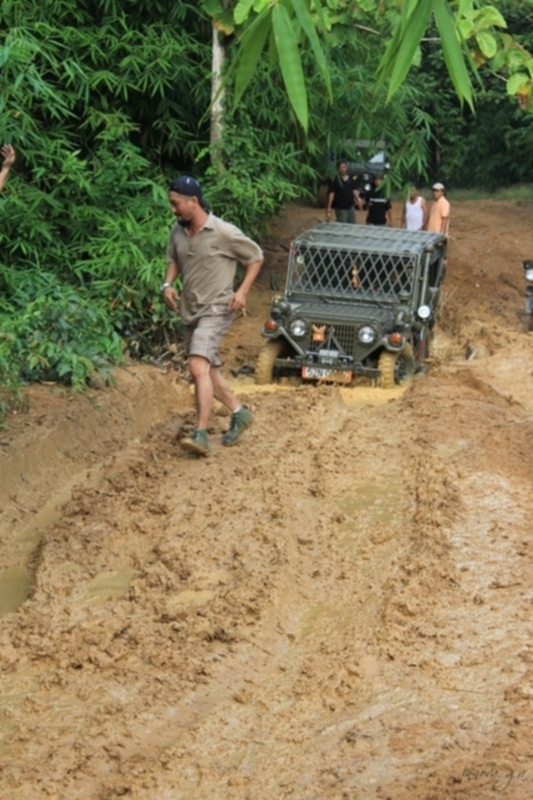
362, 263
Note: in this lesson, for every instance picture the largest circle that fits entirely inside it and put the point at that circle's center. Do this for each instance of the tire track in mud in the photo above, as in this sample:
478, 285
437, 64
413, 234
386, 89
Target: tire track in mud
322, 639
95, 526
404, 703
91, 535
337, 608
313, 613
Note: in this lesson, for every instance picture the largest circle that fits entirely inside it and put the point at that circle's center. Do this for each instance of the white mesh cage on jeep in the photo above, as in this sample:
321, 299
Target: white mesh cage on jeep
360, 262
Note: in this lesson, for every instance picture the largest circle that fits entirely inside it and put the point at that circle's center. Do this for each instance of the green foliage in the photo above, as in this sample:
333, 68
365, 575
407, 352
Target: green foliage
283, 25
254, 180
91, 96
290, 25
83, 66
101, 227
489, 148
58, 336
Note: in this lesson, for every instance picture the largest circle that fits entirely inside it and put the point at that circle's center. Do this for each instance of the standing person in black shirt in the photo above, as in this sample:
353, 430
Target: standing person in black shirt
379, 205
343, 195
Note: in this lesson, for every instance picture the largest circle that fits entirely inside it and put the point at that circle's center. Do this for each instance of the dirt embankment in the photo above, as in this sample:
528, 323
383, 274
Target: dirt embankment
339, 607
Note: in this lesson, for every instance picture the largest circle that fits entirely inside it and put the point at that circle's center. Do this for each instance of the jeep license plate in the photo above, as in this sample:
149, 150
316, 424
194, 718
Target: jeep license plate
322, 373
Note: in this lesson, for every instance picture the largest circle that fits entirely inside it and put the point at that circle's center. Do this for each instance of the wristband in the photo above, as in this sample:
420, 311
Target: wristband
165, 285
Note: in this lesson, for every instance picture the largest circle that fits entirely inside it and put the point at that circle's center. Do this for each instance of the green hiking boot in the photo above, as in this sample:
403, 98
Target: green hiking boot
197, 443
240, 420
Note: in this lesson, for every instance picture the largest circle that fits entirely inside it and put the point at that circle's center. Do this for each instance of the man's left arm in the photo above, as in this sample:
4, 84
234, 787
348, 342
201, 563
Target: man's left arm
445, 217
248, 252
238, 300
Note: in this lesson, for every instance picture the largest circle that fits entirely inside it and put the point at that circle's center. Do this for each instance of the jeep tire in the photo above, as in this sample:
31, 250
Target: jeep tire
266, 360
396, 368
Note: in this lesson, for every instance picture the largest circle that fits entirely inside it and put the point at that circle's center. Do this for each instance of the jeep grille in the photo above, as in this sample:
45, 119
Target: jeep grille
344, 338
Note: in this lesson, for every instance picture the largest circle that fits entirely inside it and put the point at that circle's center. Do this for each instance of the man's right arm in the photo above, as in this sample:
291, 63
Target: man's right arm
170, 295
445, 216
331, 195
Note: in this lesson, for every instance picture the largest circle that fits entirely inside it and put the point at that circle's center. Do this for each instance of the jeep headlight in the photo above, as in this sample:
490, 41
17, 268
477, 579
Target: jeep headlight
367, 334
298, 327
529, 274
283, 305
424, 313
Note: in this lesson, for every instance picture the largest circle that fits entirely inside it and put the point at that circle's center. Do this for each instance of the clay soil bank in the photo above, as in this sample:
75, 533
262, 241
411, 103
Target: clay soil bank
338, 607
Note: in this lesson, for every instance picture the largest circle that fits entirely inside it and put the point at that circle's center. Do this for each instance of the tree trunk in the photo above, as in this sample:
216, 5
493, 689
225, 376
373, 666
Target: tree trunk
217, 96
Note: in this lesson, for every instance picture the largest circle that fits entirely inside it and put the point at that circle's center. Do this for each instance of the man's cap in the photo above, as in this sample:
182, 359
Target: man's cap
190, 188
439, 186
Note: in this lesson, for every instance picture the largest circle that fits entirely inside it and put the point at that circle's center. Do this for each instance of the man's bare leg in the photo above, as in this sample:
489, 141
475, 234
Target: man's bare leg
241, 416
200, 370
209, 383
222, 391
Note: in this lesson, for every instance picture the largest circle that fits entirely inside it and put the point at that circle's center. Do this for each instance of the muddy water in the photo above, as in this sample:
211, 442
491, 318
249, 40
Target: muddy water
15, 587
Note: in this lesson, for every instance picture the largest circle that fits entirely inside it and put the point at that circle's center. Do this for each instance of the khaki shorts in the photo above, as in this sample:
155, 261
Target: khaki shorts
203, 338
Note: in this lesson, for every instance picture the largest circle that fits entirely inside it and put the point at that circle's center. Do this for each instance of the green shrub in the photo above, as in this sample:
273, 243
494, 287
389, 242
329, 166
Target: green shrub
59, 336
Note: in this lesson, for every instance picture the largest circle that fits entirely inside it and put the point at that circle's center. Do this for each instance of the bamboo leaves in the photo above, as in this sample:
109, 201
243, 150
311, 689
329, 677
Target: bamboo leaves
242, 10
401, 50
467, 32
309, 29
281, 24
290, 63
453, 53
252, 47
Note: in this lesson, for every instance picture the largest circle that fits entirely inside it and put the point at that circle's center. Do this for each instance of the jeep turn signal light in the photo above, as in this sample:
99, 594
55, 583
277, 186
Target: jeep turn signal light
396, 339
271, 325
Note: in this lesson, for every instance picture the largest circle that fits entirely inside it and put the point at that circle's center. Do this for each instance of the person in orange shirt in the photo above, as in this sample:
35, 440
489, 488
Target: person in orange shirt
439, 215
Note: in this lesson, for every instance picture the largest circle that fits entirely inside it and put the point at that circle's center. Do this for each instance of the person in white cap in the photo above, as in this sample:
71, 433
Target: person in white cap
415, 211
439, 215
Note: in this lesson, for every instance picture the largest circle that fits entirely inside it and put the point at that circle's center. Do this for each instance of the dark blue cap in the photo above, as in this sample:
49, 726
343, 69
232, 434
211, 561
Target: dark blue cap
190, 188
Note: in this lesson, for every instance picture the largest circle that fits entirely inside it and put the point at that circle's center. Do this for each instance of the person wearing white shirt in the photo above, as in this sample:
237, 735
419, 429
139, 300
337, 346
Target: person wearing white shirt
415, 211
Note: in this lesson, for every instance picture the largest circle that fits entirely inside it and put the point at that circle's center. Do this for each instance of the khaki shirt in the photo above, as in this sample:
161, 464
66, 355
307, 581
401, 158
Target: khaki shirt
207, 263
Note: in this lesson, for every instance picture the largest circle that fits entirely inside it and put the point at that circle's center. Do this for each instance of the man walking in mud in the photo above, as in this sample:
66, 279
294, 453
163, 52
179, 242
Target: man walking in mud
203, 251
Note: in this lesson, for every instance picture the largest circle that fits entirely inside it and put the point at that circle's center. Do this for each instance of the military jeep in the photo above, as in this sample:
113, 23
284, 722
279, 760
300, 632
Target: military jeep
359, 300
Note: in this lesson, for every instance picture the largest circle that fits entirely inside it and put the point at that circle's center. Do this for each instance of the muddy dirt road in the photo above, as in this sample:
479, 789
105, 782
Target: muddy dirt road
339, 607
